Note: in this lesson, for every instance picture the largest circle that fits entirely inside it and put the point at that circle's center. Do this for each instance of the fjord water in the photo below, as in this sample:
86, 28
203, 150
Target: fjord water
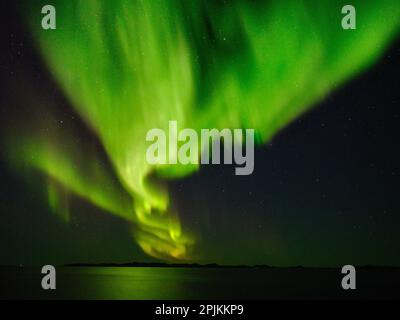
142, 283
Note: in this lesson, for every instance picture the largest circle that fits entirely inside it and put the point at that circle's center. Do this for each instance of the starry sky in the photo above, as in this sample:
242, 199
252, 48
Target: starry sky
324, 191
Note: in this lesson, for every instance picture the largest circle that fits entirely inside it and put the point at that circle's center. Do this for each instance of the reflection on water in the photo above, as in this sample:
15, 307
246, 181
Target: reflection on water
149, 283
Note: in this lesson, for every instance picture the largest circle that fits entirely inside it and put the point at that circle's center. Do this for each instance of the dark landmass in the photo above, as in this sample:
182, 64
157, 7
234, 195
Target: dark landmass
163, 265
210, 265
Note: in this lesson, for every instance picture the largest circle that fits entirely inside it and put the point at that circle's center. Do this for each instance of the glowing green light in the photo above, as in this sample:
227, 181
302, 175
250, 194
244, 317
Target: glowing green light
130, 66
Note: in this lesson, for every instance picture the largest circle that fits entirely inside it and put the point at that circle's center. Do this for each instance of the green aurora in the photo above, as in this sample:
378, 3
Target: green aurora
129, 66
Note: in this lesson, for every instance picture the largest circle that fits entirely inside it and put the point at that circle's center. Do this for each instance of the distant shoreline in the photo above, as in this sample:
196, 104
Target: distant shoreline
212, 266
199, 266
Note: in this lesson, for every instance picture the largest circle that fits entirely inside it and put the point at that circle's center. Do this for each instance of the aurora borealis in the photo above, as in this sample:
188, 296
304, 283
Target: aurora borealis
125, 67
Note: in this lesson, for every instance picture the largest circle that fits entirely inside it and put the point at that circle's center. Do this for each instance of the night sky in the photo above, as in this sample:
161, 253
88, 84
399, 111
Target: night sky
324, 192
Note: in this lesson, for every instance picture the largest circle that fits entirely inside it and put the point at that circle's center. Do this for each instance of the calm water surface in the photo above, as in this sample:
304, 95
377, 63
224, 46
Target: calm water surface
196, 283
